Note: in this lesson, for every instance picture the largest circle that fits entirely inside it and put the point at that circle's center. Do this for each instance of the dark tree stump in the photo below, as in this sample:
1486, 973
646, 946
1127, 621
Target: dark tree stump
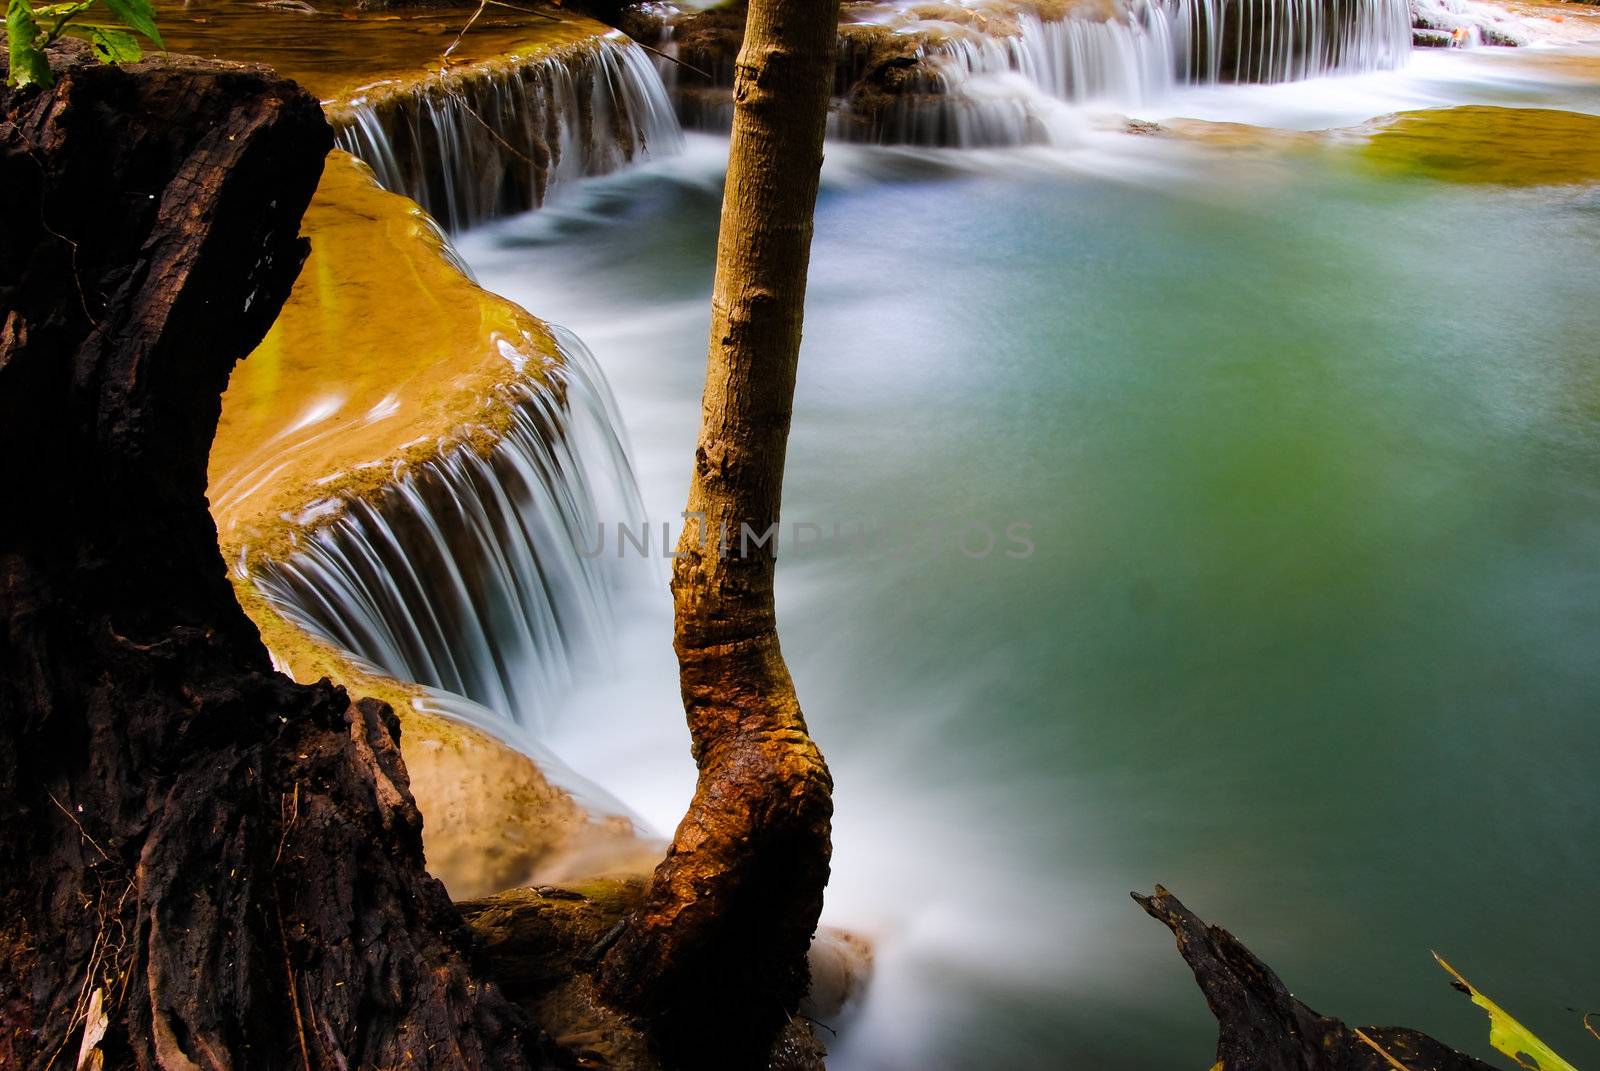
228, 863
1262, 1027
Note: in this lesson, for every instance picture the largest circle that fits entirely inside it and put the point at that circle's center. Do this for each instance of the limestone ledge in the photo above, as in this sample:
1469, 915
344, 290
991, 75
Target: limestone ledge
340, 52
473, 112
386, 355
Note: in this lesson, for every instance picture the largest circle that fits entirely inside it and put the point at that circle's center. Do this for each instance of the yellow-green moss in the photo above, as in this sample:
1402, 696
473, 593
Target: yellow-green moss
384, 355
1496, 146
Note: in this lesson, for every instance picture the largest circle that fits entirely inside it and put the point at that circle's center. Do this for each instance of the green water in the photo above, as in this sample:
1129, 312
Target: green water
1311, 459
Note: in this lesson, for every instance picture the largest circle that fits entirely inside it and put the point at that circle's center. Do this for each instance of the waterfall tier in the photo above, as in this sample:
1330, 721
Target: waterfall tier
1466, 23
465, 572
494, 138
472, 123
408, 466
400, 475
997, 74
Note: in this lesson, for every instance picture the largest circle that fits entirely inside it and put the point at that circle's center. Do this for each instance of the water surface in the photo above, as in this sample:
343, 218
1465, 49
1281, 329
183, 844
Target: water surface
1310, 455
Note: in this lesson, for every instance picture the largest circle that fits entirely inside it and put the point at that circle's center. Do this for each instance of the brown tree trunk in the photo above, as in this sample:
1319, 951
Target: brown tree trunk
716, 956
202, 863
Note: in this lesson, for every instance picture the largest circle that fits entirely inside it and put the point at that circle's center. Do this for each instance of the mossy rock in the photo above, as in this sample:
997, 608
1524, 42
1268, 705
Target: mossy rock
1492, 146
541, 945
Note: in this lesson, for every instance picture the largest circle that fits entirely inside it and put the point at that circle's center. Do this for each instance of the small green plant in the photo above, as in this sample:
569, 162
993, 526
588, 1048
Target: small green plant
1508, 1035
105, 24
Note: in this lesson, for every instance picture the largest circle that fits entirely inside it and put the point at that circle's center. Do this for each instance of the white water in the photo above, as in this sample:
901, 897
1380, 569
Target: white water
467, 575
1006, 88
498, 142
1474, 23
1001, 90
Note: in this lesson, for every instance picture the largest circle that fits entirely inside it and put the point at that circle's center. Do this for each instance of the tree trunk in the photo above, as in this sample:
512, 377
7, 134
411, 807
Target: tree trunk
716, 955
202, 863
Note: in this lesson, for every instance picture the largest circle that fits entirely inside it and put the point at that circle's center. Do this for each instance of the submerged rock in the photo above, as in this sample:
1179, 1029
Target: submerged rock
1476, 144
1481, 144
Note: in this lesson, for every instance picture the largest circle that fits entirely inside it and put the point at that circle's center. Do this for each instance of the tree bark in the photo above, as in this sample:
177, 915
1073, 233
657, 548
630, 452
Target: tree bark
202, 863
1262, 1027
716, 955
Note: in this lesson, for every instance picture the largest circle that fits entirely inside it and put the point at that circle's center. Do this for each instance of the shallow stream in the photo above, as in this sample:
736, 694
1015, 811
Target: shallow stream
1306, 441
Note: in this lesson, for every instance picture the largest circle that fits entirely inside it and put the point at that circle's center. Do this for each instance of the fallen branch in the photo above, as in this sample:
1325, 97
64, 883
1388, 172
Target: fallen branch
1262, 1027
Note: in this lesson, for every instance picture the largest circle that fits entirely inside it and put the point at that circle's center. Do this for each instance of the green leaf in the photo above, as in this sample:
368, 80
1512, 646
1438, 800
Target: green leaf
1506, 1034
139, 16
115, 46
109, 44
52, 11
28, 63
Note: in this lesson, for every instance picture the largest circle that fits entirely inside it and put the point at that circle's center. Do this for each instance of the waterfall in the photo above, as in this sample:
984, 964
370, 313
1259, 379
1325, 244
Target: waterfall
984, 89
1466, 22
979, 90
493, 139
1287, 40
468, 574
1002, 77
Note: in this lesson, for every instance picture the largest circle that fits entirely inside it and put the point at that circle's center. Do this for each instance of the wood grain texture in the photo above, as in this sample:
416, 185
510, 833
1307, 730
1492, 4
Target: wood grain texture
715, 957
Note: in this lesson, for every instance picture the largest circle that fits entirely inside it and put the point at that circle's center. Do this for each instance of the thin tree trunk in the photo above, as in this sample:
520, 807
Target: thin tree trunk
716, 956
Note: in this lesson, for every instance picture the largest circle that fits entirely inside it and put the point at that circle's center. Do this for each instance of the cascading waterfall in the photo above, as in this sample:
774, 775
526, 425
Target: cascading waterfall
468, 574
983, 90
1444, 22
1287, 40
1005, 85
495, 139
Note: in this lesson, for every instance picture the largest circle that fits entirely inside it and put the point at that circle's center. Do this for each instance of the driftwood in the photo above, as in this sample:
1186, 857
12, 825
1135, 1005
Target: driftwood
202, 863
1262, 1027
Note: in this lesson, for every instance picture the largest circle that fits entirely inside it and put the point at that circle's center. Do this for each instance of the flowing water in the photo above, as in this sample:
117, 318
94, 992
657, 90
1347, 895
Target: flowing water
469, 574
1306, 444
1155, 45
473, 112
501, 140
999, 76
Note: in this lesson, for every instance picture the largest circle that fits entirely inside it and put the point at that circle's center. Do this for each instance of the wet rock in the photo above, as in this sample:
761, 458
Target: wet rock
841, 967
543, 943
646, 23
708, 43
